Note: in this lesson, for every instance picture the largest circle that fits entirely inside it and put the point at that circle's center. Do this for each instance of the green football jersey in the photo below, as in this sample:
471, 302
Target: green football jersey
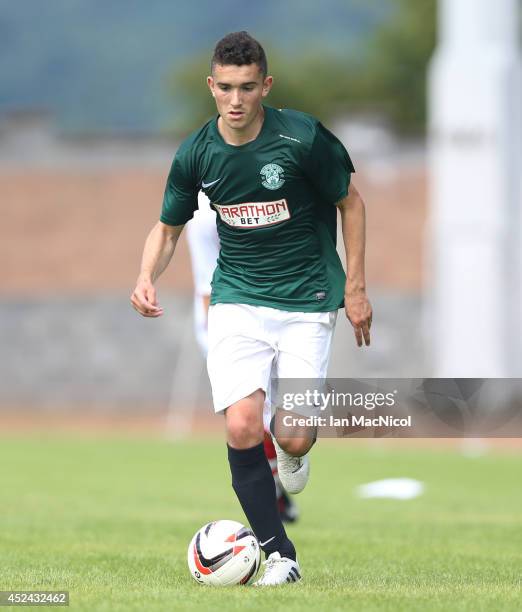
276, 216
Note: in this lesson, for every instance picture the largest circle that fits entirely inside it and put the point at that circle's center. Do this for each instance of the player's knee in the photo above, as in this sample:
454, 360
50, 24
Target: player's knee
244, 430
295, 446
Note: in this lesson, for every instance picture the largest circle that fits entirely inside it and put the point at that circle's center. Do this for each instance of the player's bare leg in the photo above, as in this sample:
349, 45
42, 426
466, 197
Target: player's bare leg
292, 452
244, 421
288, 510
296, 442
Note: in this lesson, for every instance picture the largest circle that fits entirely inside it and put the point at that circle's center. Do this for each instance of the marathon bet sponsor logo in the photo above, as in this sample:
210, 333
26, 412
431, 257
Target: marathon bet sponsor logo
272, 175
254, 214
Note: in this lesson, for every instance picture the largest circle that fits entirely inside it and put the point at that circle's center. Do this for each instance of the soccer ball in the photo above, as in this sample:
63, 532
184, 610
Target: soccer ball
224, 553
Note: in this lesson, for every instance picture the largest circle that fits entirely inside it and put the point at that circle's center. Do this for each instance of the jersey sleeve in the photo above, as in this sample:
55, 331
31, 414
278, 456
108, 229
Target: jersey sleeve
181, 193
329, 166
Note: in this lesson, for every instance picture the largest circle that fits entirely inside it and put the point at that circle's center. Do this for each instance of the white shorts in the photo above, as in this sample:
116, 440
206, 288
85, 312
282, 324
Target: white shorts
248, 346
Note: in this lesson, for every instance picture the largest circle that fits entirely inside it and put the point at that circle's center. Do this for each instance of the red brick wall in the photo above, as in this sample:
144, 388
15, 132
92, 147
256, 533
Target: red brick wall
65, 232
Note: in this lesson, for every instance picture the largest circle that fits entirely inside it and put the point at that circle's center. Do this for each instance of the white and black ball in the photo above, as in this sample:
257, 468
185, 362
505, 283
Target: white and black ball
224, 553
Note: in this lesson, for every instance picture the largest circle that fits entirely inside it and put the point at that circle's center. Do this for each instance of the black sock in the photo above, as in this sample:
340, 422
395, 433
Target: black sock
254, 485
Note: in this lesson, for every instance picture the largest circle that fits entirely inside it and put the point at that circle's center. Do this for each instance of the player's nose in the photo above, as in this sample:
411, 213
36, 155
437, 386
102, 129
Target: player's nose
236, 98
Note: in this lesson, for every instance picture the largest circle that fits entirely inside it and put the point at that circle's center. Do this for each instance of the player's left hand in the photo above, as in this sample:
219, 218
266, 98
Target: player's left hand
359, 311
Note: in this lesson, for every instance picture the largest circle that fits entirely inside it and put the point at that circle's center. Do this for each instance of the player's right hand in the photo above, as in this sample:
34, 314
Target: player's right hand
144, 299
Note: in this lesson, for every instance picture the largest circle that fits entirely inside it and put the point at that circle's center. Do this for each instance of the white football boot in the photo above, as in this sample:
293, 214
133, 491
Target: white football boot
279, 570
293, 471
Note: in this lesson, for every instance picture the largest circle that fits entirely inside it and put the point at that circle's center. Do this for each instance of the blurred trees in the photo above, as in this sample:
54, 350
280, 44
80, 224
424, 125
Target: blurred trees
394, 79
388, 77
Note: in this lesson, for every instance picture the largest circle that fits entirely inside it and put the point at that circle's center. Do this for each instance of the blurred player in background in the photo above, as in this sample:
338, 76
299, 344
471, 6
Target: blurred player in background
203, 241
277, 179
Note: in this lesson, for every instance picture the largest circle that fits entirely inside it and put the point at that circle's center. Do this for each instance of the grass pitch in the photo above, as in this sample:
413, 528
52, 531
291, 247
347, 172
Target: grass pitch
110, 521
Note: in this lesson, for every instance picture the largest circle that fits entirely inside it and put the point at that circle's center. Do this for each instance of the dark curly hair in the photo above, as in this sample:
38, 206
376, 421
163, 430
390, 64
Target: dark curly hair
239, 48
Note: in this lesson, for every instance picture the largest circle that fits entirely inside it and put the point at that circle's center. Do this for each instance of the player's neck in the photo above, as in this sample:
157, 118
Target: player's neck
237, 137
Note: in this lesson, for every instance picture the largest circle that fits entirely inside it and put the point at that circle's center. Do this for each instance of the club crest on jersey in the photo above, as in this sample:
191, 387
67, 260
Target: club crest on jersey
273, 176
255, 214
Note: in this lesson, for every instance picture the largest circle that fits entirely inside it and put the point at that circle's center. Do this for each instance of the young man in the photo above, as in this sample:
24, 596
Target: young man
203, 242
276, 179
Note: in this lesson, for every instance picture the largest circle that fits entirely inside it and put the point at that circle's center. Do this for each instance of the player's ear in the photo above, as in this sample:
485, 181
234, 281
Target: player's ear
210, 83
267, 85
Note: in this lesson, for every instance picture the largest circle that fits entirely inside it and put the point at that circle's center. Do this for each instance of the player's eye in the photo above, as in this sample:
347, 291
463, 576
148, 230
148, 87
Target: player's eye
224, 87
248, 88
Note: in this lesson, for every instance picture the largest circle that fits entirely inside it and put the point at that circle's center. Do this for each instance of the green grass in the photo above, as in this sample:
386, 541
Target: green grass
110, 521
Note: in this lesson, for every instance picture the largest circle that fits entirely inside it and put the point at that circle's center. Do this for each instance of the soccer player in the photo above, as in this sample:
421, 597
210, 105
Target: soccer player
203, 242
276, 179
